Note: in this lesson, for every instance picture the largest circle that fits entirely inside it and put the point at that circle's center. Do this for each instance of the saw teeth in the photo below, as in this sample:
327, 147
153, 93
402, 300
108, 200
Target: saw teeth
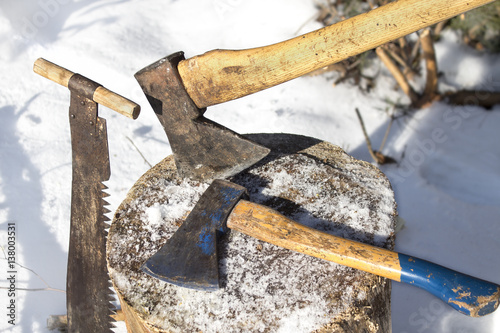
91, 188
111, 296
106, 229
110, 299
105, 219
112, 309
103, 188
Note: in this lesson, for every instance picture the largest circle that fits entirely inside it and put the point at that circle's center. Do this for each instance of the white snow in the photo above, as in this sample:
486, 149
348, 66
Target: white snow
446, 184
266, 287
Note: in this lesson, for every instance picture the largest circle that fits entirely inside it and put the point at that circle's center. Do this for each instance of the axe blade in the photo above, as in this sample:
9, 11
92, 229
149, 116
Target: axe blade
203, 149
189, 258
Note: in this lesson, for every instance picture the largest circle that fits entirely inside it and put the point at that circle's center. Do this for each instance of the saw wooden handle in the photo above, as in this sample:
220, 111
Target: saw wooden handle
222, 75
468, 295
101, 95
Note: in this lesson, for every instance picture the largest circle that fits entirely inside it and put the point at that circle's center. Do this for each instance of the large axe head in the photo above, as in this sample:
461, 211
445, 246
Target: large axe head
202, 149
189, 258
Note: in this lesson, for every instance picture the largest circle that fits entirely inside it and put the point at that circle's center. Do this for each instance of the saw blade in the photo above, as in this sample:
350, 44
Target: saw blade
89, 297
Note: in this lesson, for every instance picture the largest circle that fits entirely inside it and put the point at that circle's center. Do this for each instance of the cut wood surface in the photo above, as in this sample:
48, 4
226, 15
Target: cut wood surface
223, 75
264, 287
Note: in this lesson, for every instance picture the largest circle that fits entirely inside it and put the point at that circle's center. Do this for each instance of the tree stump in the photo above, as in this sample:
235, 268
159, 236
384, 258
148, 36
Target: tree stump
264, 288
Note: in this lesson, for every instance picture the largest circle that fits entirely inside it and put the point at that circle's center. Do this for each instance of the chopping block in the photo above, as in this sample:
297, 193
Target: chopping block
264, 288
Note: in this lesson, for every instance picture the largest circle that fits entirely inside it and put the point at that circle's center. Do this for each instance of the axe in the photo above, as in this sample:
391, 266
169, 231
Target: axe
179, 89
189, 258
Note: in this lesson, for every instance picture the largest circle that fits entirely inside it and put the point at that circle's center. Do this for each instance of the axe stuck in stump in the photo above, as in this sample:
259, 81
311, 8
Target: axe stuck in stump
179, 90
263, 287
189, 258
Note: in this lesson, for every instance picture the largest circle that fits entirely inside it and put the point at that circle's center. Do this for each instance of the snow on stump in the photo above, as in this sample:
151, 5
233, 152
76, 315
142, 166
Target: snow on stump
264, 288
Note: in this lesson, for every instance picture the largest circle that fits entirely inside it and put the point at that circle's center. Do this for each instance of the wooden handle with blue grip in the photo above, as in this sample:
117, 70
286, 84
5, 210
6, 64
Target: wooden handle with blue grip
466, 294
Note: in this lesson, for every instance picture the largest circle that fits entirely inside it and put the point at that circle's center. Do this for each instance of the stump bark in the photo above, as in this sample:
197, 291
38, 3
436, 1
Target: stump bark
264, 288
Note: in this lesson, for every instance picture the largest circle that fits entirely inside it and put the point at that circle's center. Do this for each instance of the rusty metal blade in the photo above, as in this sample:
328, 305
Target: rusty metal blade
88, 294
203, 149
189, 258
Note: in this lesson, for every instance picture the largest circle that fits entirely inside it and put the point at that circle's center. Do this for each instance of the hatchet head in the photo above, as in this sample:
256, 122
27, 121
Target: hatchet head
203, 149
189, 258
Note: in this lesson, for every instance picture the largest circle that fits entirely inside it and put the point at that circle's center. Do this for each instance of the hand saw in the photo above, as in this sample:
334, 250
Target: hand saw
88, 294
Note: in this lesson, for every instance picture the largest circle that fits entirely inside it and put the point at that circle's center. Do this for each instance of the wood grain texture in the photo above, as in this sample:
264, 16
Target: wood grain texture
431, 70
131, 318
223, 75
268, 225
116, 102
101, 95
398, 74
52, 71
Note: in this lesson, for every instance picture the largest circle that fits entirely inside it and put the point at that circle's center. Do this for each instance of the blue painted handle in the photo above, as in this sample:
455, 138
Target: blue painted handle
466, 294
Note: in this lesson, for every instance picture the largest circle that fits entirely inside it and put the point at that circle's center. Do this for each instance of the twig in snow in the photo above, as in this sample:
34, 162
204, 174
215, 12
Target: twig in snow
486, 99
398, 75
407, 70
430, 92
439, 27
48, 288
144, 158
377, 156
386, 133
367, 138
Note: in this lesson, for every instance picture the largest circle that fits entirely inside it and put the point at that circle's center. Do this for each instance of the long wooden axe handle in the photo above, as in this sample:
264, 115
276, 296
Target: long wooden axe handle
101, 95
469, 295
222, 75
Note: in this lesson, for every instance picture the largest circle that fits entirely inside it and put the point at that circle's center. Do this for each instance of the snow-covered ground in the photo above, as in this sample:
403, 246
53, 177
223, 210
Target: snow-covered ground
446, 184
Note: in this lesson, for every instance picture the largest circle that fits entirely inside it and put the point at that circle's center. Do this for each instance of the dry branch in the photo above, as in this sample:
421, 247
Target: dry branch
377, 156
430, 91
367, 138
486, 99
398, 75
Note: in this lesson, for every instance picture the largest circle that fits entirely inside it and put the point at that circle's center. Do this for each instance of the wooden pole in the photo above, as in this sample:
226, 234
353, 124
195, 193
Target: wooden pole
223, 75
101, 96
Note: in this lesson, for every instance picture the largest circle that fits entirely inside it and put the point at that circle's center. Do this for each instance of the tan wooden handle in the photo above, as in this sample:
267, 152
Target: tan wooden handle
222, 75
466, 294
102, 95
264, 223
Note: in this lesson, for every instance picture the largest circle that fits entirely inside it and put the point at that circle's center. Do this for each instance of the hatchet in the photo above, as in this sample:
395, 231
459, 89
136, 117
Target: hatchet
189, 258
179, 89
